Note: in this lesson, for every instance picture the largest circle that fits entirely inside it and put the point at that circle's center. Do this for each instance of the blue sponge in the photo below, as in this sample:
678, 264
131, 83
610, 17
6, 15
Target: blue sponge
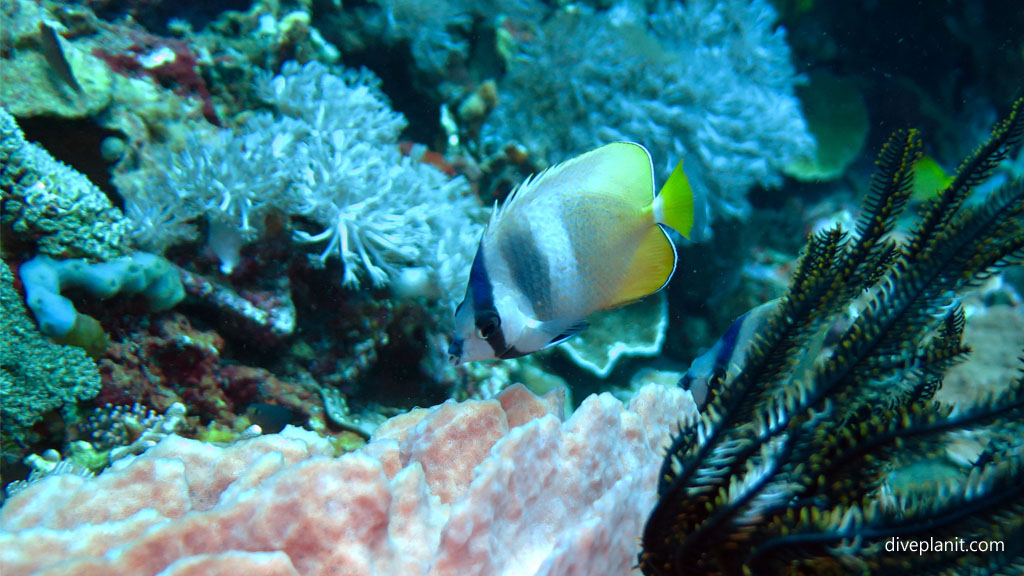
139, 273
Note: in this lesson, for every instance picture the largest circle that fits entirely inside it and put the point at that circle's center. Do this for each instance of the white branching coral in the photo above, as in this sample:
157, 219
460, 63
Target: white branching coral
330, 156
389, 208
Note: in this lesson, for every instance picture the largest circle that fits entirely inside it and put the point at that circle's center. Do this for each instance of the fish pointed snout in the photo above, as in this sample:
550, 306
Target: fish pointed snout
455, 351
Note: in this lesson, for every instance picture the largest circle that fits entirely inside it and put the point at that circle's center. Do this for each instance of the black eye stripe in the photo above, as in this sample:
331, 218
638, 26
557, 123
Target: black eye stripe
480, 286
483, 303
487, 326
729, 341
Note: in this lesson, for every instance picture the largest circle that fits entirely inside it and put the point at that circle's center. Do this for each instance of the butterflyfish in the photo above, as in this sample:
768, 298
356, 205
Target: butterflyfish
709, 369
582, 236
728, 356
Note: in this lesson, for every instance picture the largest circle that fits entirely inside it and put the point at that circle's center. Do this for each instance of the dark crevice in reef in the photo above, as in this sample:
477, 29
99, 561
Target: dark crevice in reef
76, 143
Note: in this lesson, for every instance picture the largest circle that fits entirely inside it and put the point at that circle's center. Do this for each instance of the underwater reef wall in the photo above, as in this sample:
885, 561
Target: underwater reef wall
343, 206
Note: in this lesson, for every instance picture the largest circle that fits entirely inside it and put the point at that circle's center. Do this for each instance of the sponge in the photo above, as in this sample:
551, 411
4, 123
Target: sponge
139, 273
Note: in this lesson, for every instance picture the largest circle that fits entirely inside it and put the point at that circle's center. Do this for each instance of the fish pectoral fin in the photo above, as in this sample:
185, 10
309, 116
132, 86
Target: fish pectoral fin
564, 331
649, 270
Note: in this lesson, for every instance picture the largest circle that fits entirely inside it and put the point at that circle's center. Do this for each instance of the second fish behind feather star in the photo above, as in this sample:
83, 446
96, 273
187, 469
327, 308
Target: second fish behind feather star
582, 236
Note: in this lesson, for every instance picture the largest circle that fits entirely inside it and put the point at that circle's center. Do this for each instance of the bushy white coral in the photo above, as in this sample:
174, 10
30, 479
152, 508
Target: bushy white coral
708, 81
390, 209
330, 155
427, 26
439, 32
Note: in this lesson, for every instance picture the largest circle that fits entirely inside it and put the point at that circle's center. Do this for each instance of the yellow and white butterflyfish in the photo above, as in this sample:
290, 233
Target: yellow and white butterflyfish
582, 236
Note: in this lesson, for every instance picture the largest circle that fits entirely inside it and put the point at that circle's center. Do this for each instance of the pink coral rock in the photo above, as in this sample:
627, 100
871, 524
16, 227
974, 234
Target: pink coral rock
500, 486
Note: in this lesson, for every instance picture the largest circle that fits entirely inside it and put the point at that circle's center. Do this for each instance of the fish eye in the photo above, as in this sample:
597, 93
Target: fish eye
717, 376
486, 327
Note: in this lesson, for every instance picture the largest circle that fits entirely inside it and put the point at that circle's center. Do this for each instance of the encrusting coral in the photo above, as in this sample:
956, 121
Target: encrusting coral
787, 470
499, 486
47, 204
36, 375
638, 330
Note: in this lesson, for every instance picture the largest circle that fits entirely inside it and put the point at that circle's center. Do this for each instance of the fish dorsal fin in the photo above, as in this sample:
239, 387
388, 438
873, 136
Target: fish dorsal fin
619, 169
649, 270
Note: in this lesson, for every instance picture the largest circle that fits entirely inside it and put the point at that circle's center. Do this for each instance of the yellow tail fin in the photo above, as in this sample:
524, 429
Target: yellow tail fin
674, 204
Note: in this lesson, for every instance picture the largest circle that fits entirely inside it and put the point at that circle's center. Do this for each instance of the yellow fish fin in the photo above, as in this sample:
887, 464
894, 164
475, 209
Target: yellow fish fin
649, 270
674, 205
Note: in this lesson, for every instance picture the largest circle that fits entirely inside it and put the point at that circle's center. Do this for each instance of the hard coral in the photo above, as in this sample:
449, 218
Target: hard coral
47, 204
524, 493
37, 376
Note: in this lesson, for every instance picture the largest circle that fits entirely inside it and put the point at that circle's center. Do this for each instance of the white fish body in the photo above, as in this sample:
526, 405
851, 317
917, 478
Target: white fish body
580, 237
